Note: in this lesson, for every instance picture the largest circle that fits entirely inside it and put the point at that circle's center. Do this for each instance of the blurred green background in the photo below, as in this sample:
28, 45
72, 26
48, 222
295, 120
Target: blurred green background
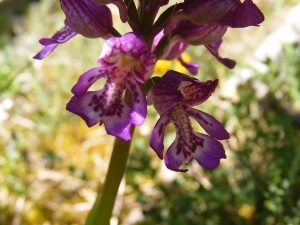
51, 164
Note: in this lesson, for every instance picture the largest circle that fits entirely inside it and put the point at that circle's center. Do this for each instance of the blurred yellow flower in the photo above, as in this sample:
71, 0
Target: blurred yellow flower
162, 66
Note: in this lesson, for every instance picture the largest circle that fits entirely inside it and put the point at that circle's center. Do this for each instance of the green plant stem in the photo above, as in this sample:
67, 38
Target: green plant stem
102, 209
103, 206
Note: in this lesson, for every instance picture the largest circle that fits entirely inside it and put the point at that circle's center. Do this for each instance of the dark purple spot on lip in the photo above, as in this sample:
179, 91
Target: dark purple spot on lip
91, 79
211, 124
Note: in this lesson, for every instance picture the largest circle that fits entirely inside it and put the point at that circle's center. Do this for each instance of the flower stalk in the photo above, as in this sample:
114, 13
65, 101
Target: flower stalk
102, 209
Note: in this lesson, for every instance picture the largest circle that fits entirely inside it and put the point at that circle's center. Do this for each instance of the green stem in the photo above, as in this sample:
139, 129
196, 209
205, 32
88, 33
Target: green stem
101, 212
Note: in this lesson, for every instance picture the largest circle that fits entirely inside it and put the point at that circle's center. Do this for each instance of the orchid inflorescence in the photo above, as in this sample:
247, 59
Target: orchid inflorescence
127, 63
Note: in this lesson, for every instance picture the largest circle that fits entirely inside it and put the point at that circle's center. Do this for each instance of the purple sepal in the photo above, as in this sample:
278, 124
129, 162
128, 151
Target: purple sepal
199, 34
243, 15
196, 92
120, 4
214, 50
207, 11
88, 18
164, 94
50, 44
190, 66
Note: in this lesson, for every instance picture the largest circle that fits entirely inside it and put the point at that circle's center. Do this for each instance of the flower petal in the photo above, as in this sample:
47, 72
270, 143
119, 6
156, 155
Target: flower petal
88, 18
243, 15
190, 66
206, 150
86, 80
139, 103
212, 126
214, 50
157, 135
144, 66
93, 108
173, 159
59, 37
164, 93
83, 108
210, 153
195, 92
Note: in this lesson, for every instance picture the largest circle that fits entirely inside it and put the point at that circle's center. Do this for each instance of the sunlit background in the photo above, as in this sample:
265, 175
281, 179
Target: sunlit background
51, 163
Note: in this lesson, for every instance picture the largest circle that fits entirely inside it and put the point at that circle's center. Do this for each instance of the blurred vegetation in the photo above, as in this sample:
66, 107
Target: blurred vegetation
51, 164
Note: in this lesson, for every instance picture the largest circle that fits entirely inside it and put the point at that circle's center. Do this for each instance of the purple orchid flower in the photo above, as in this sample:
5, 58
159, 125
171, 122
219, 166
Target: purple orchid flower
173, 97
83, 17
123, 62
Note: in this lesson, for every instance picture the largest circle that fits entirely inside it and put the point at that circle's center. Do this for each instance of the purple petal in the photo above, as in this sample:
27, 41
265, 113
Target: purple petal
88, 18
144, 66
199, 34
173, 160
86, 80
93, 108
190, 66
213, 49
45, 51
212, 126
164, 93
50, 44
174, 49
206, 150
207, 11
139, 103
196, 92
130, 44
210, 153
157, 135
83, 108
243, 15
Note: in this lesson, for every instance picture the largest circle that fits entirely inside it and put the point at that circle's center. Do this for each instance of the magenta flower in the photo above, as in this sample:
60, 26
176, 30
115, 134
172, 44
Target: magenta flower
83, 17
123, 62
173, 97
